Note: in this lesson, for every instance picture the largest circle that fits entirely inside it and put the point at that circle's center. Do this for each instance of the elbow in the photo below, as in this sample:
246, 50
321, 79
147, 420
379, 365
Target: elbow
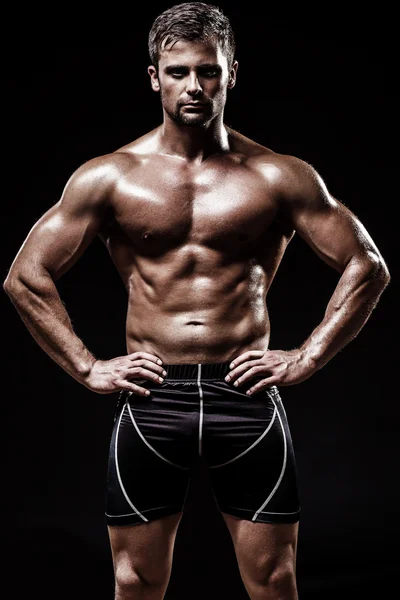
9, 283
20, 281
370, 271
386, 277
378, 271
12, 284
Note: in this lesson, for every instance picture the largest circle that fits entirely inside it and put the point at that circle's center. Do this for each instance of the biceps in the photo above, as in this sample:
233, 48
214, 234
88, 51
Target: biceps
336, 235
56, 242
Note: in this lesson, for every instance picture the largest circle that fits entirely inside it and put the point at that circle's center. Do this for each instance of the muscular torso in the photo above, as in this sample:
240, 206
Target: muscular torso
197, 247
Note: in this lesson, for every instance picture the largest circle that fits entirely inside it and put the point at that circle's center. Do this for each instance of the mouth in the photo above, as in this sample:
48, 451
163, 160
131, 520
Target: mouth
194, 105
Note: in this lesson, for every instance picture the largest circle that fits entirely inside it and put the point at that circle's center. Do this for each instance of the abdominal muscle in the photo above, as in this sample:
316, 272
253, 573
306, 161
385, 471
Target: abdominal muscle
210, 317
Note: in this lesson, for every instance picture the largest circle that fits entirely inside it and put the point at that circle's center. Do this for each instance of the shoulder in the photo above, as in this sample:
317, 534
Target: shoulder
292, 180
297, 177
94, 181
99, 176
103, 170
90, 187
287, 174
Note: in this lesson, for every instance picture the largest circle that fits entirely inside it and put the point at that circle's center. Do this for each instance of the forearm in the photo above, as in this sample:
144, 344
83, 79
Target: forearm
42, 311
354, 298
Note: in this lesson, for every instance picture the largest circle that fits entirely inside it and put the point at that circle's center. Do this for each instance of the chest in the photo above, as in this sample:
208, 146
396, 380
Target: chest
214, 207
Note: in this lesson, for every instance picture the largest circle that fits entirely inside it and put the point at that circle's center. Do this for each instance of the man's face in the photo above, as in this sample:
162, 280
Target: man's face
193, 78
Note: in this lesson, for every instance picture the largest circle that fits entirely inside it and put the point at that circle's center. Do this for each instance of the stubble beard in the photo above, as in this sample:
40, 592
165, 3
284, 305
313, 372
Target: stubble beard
191, 119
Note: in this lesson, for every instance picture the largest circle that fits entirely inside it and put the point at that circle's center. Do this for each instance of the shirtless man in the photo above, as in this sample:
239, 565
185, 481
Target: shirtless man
196, 218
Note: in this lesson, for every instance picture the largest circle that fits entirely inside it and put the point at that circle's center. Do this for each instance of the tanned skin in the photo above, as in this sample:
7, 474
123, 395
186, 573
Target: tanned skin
196, 218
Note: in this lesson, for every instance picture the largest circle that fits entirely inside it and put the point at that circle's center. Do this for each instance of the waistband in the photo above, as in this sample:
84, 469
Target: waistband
197, 370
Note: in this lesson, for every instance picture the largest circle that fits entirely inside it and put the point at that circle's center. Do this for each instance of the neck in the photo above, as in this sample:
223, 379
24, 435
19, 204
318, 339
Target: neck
193, 143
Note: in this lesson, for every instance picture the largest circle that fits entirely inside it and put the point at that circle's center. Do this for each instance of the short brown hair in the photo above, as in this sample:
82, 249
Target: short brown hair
191, 21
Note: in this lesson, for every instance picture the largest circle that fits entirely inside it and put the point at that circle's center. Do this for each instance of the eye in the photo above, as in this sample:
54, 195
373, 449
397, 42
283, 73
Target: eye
177, 74
209, 73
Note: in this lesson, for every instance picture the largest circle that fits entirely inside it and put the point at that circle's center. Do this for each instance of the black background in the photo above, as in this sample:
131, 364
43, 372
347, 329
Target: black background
320, 87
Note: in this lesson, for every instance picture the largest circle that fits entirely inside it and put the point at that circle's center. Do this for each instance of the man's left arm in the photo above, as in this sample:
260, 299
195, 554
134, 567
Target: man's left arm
341, 240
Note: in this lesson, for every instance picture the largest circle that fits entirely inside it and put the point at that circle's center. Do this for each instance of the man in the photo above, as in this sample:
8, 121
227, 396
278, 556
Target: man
196, 218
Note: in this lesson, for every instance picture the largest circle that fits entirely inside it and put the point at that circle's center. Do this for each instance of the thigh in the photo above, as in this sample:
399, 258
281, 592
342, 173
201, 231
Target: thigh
147, 479
252, 462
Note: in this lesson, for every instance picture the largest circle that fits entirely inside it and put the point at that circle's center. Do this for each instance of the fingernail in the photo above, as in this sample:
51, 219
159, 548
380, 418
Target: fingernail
248, 392
159, 362
231, 365
164, 373
147, 393
227, 378
160, 379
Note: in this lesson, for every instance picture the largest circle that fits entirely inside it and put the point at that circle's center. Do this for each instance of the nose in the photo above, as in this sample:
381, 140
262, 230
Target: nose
193, 85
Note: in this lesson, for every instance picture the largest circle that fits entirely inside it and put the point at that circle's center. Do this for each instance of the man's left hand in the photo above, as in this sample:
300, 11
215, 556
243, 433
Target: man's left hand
277, 367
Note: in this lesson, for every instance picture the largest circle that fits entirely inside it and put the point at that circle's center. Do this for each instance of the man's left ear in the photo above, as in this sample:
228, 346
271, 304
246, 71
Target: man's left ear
232, 75
155, 84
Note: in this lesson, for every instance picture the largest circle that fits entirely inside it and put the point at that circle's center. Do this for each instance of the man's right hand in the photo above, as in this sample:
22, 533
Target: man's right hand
109, 376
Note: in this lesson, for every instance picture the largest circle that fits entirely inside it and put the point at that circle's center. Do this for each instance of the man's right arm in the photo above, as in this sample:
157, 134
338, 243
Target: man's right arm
52, 247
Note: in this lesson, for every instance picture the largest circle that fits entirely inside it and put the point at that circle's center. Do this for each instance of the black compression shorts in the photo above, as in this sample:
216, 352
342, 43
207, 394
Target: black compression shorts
195, 415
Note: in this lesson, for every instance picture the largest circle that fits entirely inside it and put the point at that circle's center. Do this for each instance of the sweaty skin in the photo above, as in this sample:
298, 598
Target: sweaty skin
197, 247
196, 218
